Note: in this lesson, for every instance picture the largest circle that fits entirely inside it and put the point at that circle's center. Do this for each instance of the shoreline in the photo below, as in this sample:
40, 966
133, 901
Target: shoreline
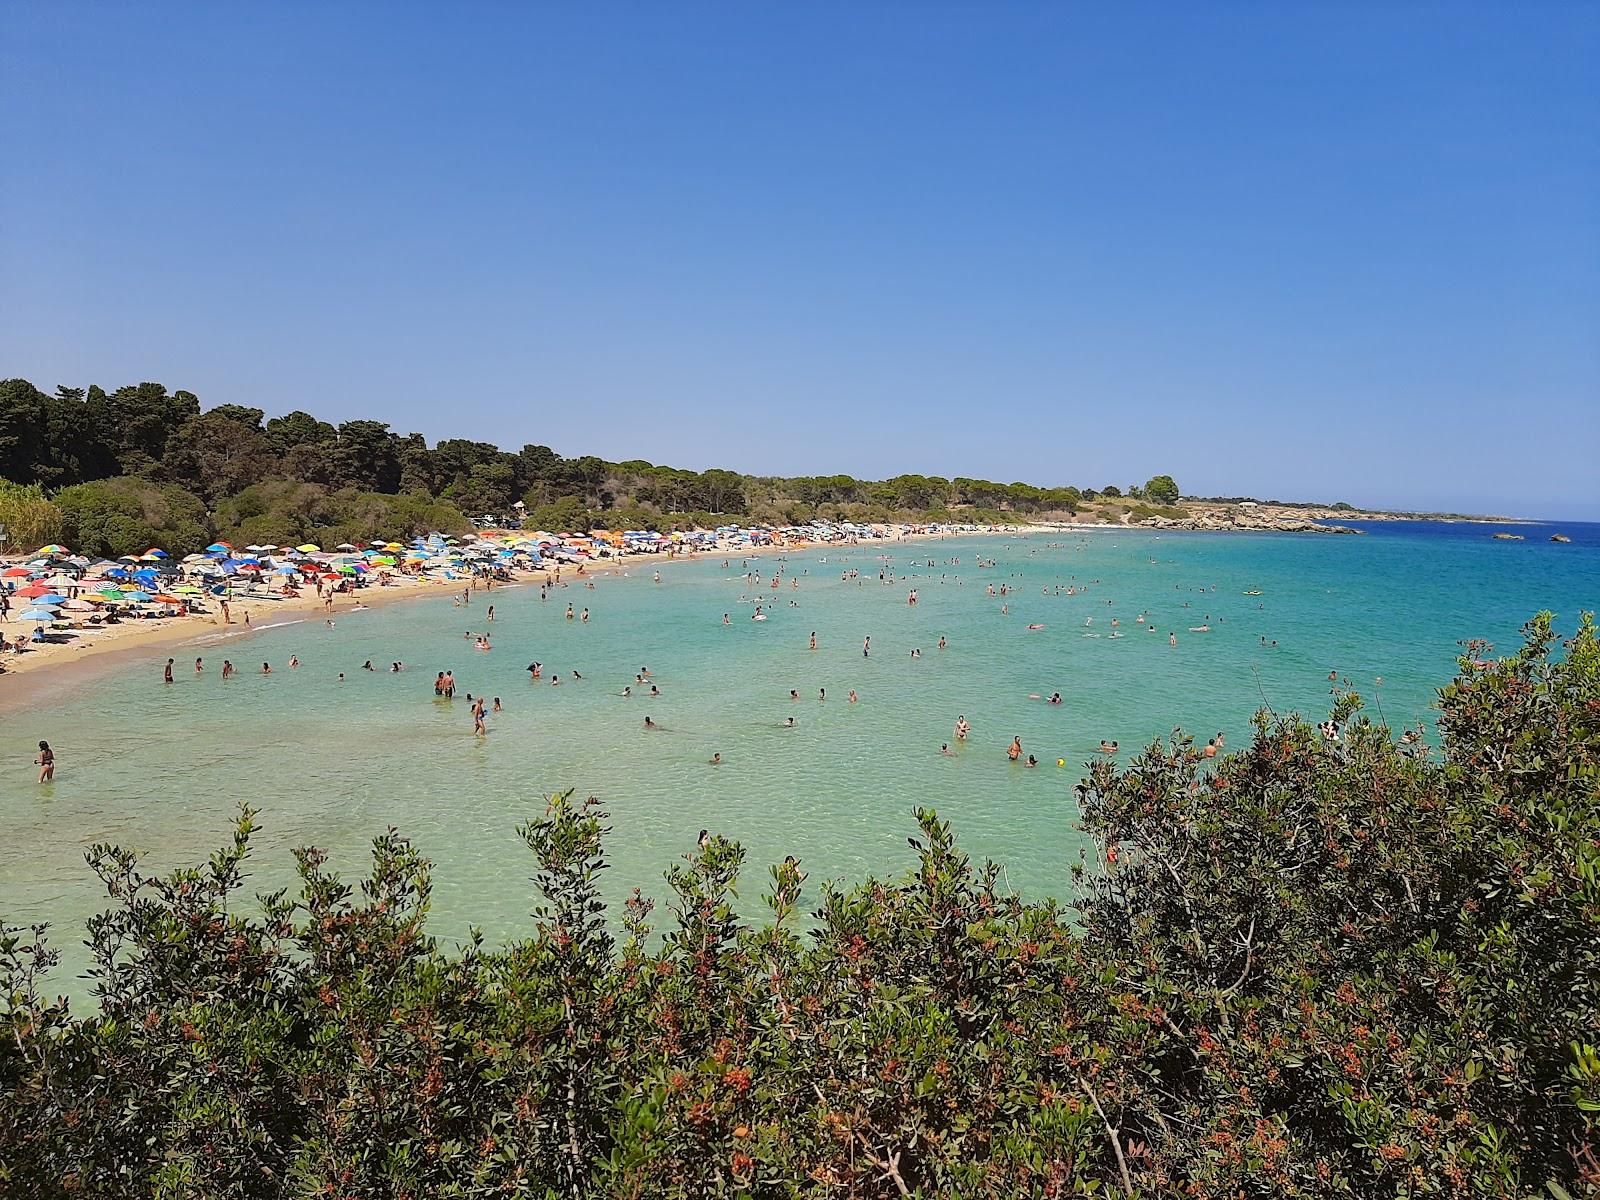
54, 670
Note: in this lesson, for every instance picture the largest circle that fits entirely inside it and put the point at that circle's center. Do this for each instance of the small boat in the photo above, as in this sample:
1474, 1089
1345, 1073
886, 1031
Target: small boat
1507, 537
1559, 537
1252, 592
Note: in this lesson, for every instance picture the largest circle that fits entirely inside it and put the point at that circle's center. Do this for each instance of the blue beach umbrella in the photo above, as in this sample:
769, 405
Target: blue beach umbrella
47, 599
137, 597
38, 614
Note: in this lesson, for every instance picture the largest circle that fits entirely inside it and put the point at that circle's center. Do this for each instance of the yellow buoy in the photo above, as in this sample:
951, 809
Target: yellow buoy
1061, 762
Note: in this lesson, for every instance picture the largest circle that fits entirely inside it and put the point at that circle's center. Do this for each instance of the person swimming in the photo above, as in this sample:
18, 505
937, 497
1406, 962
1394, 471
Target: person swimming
944, 748
1055, 698
716, 759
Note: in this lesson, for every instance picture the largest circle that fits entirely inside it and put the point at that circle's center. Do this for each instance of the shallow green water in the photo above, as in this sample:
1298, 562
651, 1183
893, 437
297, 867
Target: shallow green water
161, 768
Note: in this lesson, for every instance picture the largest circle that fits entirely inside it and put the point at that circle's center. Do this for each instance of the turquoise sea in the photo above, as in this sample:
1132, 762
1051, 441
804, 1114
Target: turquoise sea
331, 764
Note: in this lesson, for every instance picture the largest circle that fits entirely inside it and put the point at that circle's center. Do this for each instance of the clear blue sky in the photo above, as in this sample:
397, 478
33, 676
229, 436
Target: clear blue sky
1308, 251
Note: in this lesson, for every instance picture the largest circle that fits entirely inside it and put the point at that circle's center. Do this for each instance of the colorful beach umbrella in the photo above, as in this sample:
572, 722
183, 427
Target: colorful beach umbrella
155, 552
52, 548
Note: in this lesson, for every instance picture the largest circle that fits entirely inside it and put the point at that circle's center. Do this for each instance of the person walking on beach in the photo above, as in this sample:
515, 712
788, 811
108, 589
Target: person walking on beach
46, 762
166, 676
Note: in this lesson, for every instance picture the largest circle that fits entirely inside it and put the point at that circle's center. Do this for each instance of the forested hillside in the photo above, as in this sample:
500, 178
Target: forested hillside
115, 472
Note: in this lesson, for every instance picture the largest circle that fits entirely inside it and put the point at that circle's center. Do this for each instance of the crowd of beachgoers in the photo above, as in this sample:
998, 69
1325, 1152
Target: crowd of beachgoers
56, 604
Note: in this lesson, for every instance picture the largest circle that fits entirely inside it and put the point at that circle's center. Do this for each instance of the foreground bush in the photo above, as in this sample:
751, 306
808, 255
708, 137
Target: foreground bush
1330, 964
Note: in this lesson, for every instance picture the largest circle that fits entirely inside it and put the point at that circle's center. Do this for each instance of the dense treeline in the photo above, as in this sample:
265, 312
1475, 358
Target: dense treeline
141, 466
1320, 966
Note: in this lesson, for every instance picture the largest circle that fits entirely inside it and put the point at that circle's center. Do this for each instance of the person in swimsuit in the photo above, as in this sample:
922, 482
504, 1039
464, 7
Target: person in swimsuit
716, 759
167, 675
227, 668
1014, 751
199, 666
853, 697
46, 762
944, 748
266, 668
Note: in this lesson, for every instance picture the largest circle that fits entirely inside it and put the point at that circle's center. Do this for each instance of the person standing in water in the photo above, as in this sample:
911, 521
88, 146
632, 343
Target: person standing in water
166, 676
46, 762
